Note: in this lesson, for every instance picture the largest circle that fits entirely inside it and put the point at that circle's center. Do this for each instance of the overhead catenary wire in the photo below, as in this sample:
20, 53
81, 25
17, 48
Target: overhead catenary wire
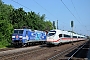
42, 7
21, 4
72, 13
31, 9
39, 5
76, 10
69, 10
47, 11
78, 14
24, 6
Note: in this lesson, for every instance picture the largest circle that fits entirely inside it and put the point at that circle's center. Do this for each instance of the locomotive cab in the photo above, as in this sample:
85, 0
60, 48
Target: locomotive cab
24, 37
17, 36
51, 34
53, 37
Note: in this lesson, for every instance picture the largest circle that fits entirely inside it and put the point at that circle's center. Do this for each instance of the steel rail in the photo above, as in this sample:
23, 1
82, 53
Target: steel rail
63, 52
14, 56
76, 51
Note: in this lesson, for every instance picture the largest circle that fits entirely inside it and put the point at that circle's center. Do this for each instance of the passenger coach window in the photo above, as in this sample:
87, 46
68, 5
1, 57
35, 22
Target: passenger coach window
66, 35
74, 36
60, 35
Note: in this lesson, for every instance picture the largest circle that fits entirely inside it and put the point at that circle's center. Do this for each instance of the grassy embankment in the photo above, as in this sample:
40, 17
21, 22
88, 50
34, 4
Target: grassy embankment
4, 44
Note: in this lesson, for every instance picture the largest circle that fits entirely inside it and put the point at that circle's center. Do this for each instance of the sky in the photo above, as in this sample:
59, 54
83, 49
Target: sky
64, 11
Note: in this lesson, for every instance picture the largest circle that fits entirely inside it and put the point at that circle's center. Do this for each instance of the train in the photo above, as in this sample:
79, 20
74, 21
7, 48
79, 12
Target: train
57, 37
23, 37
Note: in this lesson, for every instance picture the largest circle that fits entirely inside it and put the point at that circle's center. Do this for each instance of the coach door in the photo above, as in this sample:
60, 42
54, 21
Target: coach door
60, 37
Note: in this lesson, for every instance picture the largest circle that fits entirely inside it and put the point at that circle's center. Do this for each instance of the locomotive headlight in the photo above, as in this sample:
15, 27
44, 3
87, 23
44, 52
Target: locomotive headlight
20, 38
13, 37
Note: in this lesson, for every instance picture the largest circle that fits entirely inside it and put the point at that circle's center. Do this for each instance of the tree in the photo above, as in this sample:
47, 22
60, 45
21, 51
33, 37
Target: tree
5, 31
11, 18
48, 25
5, 11
5, 26
17, 18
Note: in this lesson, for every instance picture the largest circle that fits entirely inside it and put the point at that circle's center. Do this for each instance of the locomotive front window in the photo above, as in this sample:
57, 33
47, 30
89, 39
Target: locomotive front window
51, 33
18, 31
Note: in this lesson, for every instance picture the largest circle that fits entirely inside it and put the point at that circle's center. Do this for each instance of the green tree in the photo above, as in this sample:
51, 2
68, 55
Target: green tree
5, 11
17, 18
5, 32
48, 25
5, 26
11, 18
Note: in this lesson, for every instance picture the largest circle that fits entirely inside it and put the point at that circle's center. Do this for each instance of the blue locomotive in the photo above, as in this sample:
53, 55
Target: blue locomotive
22, 37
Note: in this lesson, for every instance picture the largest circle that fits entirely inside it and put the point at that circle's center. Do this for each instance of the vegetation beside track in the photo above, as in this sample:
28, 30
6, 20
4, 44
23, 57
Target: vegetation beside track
11, 18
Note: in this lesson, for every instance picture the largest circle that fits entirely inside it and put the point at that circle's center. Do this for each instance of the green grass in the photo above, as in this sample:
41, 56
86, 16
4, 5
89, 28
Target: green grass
4, 44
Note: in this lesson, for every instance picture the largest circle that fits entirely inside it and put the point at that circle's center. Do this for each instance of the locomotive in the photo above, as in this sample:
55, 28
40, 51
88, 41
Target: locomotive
23, 37
57, 37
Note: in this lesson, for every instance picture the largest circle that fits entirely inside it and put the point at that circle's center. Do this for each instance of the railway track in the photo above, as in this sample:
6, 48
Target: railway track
14, 55
69, 54
42, 53
12, 48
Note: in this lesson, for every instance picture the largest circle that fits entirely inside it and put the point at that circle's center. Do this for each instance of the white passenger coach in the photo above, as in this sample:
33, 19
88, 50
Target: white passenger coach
57, 37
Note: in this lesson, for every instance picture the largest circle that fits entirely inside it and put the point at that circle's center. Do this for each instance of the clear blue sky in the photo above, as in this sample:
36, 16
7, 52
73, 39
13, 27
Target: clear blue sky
56, 10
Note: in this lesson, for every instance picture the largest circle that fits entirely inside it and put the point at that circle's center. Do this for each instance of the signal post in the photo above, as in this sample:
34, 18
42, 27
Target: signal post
72, 31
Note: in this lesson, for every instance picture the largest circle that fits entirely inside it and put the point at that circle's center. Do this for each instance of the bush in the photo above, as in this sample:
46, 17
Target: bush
5, 33
4, 44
